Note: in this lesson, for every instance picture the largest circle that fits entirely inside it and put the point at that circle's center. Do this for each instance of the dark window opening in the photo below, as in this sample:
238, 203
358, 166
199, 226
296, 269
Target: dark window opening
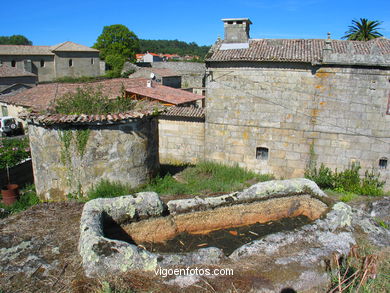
70, 62
230, 22
262, 153
13, 63
239, 22
383, 163
42, 63
92, 61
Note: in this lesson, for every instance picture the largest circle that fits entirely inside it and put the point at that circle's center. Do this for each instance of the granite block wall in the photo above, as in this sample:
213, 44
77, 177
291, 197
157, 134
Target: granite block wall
334, 115
180, 141
120, 152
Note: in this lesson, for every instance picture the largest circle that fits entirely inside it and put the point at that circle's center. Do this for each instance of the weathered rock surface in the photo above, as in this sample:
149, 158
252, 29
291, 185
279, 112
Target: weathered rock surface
304, 250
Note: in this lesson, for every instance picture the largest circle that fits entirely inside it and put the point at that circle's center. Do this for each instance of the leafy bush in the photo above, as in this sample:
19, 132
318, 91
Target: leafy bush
13, 151
347, 181
91, 101
323, 176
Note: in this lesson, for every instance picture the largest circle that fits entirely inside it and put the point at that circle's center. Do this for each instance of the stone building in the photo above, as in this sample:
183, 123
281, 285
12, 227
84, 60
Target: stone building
163, 76
73, 153
14, 79
51, 62
276, 105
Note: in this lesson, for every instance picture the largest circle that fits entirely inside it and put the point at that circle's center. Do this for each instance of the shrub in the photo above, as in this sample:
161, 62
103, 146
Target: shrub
91, 101
13, 151
347, 181
323, 176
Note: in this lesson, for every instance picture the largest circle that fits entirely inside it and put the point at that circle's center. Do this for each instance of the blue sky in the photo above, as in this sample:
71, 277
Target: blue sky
52, 22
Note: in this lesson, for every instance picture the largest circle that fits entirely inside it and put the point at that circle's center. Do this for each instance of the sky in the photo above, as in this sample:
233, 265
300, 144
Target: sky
82, 21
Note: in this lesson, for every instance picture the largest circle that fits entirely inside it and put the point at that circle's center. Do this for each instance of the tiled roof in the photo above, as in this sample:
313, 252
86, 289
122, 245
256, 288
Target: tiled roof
71, 47
8, 71
296, 50
24, 50
87, 119
164, 93
40, 98
43, 50
184, 112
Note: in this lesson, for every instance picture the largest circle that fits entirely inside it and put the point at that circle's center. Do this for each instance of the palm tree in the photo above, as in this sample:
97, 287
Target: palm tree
363, 30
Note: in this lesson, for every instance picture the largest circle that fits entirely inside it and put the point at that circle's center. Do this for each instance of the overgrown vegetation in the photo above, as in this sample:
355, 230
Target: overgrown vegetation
204, 178
173, 47
27, 198
91, 100
361, 271
13, 151
81, 79
348, 180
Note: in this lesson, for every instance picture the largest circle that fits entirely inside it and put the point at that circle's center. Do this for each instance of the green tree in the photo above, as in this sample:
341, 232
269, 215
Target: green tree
117, 44
14, 40
363, 30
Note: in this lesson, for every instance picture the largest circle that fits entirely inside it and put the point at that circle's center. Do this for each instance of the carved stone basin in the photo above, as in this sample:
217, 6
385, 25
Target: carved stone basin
121, 234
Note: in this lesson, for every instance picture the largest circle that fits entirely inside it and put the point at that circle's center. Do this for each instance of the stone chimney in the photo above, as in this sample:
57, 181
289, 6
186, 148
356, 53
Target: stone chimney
149, 83
236, 30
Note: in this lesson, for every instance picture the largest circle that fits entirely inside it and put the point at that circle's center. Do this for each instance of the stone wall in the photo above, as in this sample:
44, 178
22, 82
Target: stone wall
83, 64
277, 117
45, 72
192, 73
121, 152
55, 66
181, 140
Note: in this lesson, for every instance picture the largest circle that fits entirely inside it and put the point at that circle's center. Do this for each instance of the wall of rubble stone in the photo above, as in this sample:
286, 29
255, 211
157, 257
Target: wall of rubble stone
181, 140
278, 117
121, 152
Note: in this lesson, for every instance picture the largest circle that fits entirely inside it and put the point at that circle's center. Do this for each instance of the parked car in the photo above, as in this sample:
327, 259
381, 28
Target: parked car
9, 126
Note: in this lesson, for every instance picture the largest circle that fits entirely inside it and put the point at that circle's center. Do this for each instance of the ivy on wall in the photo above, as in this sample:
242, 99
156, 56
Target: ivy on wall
80, 139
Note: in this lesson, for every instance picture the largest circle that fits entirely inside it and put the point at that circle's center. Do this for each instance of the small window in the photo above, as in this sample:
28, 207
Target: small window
383, 163
4, 110
70, 62
42, 63
230, 22
13, 63
262, 153
92, 61
239, 22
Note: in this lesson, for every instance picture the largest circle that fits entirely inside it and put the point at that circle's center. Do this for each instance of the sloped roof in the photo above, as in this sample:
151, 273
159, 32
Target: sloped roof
8, 71
40, 98
87, 119
164, 94
24, 50
190, 112
44, 50
71, 47
295, 50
